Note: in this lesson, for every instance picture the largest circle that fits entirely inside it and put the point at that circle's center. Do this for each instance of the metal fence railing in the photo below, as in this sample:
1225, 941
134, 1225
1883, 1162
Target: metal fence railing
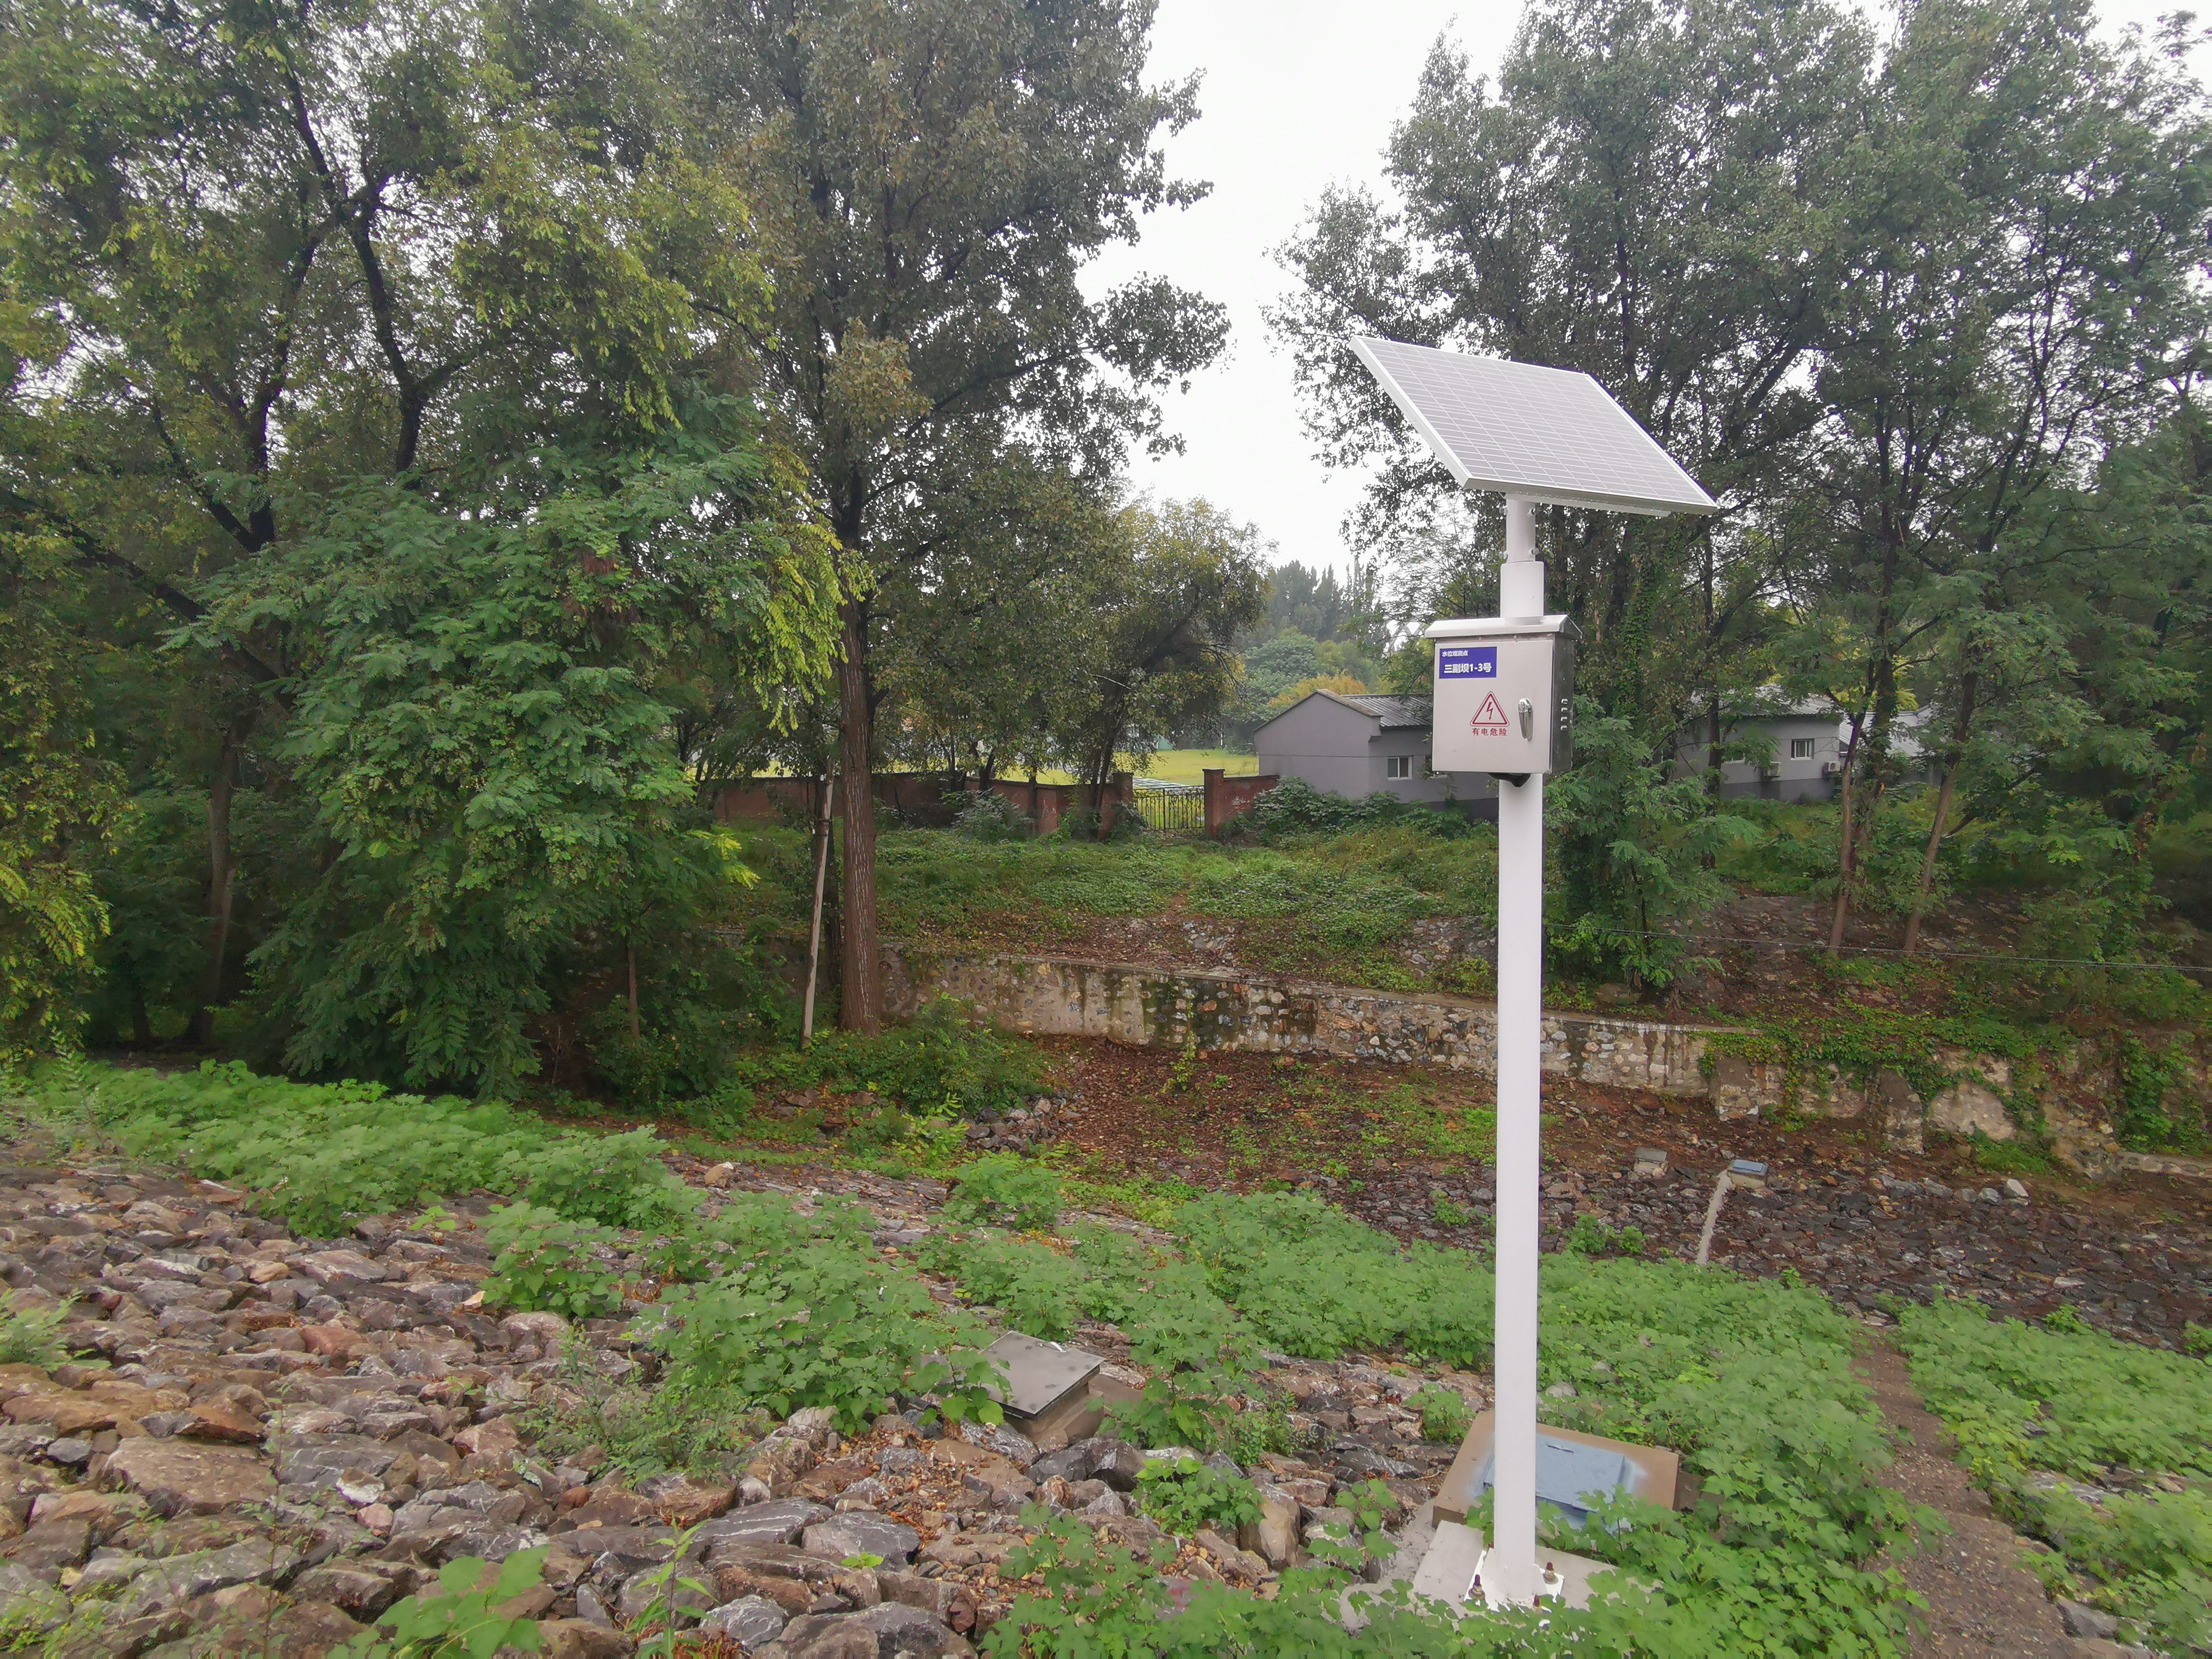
1175, 809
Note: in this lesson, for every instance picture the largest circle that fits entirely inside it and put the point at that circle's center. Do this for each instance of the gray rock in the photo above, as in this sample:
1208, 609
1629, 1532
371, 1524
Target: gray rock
1115, 1461
2082, 1620
317, 1460
895, 1628
862, 1532
1017, 1449
780, 1523
1070, 1463
752, 1619
180, 1578
69, 1452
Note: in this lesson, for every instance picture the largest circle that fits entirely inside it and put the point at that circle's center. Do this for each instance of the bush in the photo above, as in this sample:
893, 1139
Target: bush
544, 1262
1035, 1286
988, 816
1444, 1415
1295, 807
1002, 1190
617, 1180
822, 1325
937, 1059
1184, 1495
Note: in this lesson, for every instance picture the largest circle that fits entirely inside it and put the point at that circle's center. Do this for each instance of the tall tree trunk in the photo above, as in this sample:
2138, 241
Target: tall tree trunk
221, 790
141, 1018
1846, 843
859, 990
1881, 705
1969, 682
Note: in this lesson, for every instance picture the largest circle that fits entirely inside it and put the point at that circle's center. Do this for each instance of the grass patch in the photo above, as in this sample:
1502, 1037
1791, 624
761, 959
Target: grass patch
2037, 1412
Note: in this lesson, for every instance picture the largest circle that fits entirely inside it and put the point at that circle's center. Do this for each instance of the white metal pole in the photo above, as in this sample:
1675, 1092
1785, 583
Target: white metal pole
1510, 1571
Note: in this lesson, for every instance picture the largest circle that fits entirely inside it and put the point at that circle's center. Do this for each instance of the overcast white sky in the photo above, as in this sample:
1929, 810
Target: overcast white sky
1297, 94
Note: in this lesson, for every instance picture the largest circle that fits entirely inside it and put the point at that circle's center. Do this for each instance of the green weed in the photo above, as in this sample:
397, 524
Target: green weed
1184, 1495
544, 1262
2026, 1404
1002, 1190
30, 1335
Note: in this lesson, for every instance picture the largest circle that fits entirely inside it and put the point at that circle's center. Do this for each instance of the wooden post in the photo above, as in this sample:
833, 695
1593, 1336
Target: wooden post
814, 937
630, 958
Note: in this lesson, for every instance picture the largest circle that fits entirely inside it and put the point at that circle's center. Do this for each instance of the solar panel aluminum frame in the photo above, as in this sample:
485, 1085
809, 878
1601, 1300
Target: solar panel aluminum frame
1472, 473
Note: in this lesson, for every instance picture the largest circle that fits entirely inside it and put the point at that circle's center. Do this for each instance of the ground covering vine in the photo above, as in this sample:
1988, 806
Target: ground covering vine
2079, 1440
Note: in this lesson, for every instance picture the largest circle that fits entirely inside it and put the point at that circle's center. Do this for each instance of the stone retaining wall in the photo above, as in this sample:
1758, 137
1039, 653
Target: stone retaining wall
1167, 1008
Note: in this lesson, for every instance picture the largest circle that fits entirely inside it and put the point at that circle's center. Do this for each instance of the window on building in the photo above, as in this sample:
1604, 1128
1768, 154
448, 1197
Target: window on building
1397, 766
1800, 749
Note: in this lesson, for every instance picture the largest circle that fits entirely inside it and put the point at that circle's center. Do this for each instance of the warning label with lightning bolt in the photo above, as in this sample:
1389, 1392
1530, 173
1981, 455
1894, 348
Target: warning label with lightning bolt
1489, 720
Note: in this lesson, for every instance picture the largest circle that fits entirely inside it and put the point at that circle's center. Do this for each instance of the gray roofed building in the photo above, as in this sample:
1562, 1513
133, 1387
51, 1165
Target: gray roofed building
1358, 744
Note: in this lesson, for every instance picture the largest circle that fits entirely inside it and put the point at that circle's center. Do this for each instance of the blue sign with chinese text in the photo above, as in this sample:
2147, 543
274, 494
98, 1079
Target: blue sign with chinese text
1467, 662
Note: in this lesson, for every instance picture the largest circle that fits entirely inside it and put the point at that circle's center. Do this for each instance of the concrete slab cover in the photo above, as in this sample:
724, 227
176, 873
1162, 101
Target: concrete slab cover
1040, 1374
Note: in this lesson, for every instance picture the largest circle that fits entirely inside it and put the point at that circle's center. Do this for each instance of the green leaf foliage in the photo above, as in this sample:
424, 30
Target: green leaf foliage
457, 1620
1000, 1189
2038, 1411
317, 1153
1183, 1494
544, 1262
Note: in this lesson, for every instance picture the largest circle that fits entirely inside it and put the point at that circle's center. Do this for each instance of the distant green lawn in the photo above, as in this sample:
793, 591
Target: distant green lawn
1186, 765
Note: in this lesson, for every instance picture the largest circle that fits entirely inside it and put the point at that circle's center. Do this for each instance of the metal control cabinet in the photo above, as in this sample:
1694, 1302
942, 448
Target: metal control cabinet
1504, 695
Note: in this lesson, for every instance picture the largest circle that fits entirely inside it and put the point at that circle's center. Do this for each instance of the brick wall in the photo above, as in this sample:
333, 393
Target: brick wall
924, 797
1228, 797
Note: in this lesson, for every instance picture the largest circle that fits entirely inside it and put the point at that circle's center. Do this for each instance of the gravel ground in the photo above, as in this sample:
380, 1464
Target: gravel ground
1862, 1223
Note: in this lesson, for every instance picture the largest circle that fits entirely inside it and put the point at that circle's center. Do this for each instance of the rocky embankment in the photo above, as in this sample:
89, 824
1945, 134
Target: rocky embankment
282, 1436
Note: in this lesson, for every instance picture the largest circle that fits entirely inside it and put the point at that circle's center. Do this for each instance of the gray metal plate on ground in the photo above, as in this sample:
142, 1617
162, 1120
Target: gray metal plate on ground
1039, 1375
1572, 1477
1546, 434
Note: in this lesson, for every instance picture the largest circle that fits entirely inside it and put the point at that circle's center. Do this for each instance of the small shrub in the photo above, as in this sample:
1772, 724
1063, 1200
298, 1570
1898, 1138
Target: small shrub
1591, 1238
1184, 1495
1002, 1190
1036, 1287
681, 1424
30, 1335
988, 816
1447, 1213
546, 1263
618, 1180
937, 1058
1444, 1415
458, 1618
822, 1325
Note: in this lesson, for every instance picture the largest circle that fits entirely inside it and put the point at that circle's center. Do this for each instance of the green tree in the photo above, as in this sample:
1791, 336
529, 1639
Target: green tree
2025, 223
930, 180
1160, 638
56, 796
401, 359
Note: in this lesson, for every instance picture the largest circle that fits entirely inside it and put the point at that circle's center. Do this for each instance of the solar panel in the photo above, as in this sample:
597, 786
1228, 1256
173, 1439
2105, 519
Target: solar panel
1550, 434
